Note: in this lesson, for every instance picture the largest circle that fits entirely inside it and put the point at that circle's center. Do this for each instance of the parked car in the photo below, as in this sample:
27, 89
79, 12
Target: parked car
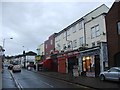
16, 68
111, 74
10, 66
5, 65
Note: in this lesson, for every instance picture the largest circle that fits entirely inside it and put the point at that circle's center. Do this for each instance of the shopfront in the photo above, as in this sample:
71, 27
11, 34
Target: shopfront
72, 60
45, 65
67, 61
62, 66
54, 63
90, 62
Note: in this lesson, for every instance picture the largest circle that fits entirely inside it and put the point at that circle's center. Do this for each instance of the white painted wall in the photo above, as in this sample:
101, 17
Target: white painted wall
74, 33
98, 21
102, 9
40, 49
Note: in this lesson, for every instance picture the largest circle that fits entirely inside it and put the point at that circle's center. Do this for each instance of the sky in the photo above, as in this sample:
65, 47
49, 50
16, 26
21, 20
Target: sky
31, 22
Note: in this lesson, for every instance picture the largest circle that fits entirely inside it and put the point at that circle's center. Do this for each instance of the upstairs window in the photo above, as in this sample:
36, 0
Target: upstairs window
81, 24
64, 46
98, 43
51, 42
118, 28
95, 31
64, 35
68, 32
46, 46
81, 41
93, 44
74, 29
75, 43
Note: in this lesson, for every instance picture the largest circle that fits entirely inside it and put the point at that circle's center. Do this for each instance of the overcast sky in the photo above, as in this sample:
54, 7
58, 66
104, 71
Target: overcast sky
30, 23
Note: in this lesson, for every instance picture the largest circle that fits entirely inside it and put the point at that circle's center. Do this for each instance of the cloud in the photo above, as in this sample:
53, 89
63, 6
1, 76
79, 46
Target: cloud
31, 23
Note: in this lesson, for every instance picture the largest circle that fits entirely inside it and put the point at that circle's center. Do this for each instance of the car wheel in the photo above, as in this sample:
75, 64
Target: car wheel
102, 77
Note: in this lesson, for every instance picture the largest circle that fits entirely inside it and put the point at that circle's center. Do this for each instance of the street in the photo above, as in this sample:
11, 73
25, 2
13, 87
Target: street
29, 79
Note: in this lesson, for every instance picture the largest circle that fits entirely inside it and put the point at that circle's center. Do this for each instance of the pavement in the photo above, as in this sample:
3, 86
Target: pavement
0, 80
7, 80
91, 82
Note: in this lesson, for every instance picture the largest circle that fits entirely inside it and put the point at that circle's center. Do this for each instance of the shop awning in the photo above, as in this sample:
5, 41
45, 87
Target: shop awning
41, 63
46, 63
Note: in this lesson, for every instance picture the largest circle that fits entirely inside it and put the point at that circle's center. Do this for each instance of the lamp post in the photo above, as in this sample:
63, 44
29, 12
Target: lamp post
24, 56
3, 57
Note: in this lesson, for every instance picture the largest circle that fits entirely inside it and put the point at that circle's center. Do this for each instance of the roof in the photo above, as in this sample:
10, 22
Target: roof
80, 19
31, 53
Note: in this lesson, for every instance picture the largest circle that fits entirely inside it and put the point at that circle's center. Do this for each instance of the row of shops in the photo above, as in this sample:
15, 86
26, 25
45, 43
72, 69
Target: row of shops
89, 62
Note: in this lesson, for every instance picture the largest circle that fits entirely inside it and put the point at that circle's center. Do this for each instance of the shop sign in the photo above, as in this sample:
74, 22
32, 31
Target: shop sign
48, 58
75, 71
62, 55
90, 74
70, 54
76, 52
37, 58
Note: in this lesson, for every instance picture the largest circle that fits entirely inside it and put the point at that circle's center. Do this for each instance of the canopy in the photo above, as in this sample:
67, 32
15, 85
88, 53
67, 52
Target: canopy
46, 63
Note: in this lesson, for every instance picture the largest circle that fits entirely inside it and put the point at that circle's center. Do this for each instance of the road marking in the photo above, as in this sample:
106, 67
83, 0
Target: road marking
47, 83
17, 84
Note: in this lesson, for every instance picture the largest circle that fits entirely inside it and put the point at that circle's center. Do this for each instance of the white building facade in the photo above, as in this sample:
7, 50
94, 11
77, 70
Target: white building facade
90, 32
40, 49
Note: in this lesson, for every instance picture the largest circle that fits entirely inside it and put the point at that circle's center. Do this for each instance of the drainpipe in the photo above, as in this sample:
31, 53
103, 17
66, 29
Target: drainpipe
84, 32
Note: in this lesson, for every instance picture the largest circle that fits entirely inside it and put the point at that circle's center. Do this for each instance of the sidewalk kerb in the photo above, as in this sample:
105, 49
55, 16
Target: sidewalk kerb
16, 83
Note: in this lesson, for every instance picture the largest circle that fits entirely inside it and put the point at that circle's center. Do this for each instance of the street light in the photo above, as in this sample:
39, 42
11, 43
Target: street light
4, 41
3, 47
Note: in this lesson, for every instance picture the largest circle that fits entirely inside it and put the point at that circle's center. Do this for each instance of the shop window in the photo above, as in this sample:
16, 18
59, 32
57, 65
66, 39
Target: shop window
87, 63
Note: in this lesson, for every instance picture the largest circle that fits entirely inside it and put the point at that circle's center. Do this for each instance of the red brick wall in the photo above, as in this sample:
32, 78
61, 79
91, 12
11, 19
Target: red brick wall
49, 45
113, 39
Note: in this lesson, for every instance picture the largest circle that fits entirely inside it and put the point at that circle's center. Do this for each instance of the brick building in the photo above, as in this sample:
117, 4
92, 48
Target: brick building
113, 34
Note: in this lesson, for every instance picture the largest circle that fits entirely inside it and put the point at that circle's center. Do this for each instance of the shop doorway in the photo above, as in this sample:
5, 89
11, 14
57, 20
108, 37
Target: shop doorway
62, 65
71, 62
117, 59
97, 65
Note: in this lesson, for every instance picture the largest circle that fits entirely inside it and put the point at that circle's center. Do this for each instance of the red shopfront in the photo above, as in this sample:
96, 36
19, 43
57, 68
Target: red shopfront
46, 64
67, 61
72, 60
62, 64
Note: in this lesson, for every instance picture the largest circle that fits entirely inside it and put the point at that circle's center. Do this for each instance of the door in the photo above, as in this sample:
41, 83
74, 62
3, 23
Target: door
62, 65
97, 65
71, 62
117, 59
